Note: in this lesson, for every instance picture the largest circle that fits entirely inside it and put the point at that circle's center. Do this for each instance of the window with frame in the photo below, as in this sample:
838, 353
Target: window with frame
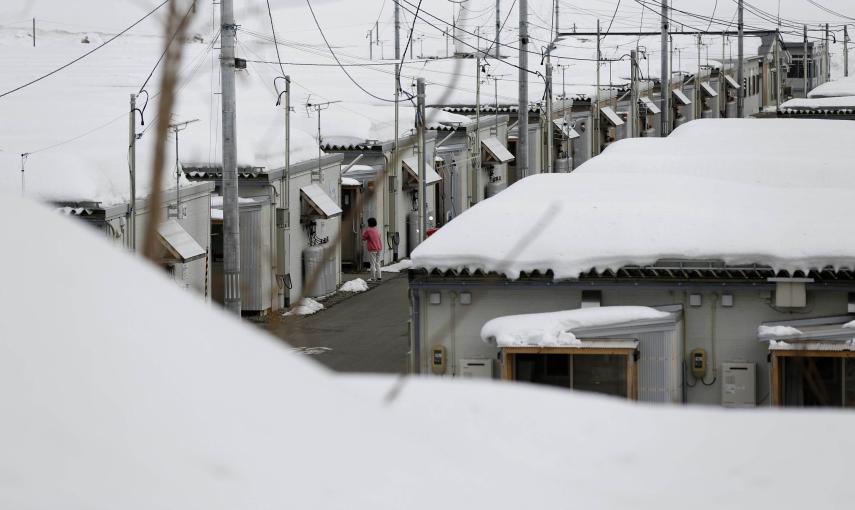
814, 379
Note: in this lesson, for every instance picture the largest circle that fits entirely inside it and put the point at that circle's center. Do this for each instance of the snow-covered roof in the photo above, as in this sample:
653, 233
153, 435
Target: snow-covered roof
753, 191
835, 88
556, 329
155, 400
835, 104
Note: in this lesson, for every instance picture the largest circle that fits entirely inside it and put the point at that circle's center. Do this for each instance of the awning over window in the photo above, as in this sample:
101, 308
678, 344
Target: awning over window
579, 345
681, 98
610, 115
496, 150
707, 89
565, 128
411, 165
731, 82
650, 105
180, 245
319, 201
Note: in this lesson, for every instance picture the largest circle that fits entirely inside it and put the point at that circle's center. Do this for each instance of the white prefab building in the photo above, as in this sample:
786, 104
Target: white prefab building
289, 223
709, 245
183, 234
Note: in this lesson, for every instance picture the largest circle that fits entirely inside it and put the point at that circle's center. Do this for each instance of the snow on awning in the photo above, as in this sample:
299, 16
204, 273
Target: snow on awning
555, 329
610, 115
411, 165
681, 98
707, 89
650, 105
350, 182
178, 242
731, 82
319, 201
835, 333
496, 150
565, 128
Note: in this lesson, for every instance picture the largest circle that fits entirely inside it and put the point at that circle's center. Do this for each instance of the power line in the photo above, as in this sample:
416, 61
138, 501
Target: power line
275, 44
93, 50
363, 89
168, 44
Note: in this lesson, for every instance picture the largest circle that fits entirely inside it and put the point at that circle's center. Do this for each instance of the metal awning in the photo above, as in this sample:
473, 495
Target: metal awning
731, 82
180, 245
496, 150
566, 128
610, 115
650, 105
319, 201
411, 165
681, 98
707, 89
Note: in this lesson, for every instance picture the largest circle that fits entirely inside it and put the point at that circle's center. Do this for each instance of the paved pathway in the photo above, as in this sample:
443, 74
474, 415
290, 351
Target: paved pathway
364, 333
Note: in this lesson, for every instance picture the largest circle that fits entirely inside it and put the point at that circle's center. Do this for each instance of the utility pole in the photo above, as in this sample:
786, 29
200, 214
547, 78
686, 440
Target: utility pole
557, 22
34, 32
420, 129
740, 93
476, 178
777, 70
132, 170
23, 163
595, 121
845, 50
548, 128
377, 31
498, 26
522, 114
231, 217
665, 79
805, 62
411, 44
176, 128
391, 216
699, 104
633, 95
370, 38
826, 63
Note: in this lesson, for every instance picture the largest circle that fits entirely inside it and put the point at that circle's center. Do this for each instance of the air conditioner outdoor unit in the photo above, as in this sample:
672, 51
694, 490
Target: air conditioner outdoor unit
739, 384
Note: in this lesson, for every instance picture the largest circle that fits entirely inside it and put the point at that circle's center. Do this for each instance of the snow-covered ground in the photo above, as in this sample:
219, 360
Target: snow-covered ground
306, 306
355, 285
153, 400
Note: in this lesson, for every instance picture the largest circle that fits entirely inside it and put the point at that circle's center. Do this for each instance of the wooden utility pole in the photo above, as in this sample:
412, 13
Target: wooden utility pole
845, 51
231, 218
665, 78
132, 170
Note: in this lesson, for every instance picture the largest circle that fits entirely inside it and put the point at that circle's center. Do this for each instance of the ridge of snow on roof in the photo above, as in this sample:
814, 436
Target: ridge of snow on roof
844, 86
771, 191
554, 329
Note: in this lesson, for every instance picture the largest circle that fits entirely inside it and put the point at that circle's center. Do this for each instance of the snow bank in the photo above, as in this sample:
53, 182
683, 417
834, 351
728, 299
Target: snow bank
641, 201
397, 267
817, 103
554, 329
357, 285
307, 306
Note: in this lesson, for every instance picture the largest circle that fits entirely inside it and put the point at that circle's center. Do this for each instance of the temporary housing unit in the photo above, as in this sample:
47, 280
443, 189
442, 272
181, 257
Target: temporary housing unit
292, 221
183, 233
462, 185
759, 240
391, 186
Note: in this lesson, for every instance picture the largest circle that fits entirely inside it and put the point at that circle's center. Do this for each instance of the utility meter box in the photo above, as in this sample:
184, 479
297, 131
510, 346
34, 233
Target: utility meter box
476, 368
739, 384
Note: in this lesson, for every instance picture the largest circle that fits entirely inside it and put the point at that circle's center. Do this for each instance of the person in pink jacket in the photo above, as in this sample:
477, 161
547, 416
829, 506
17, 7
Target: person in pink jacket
374, 243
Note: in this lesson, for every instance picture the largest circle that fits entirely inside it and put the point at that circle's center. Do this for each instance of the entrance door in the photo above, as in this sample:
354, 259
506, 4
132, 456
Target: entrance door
350, 229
